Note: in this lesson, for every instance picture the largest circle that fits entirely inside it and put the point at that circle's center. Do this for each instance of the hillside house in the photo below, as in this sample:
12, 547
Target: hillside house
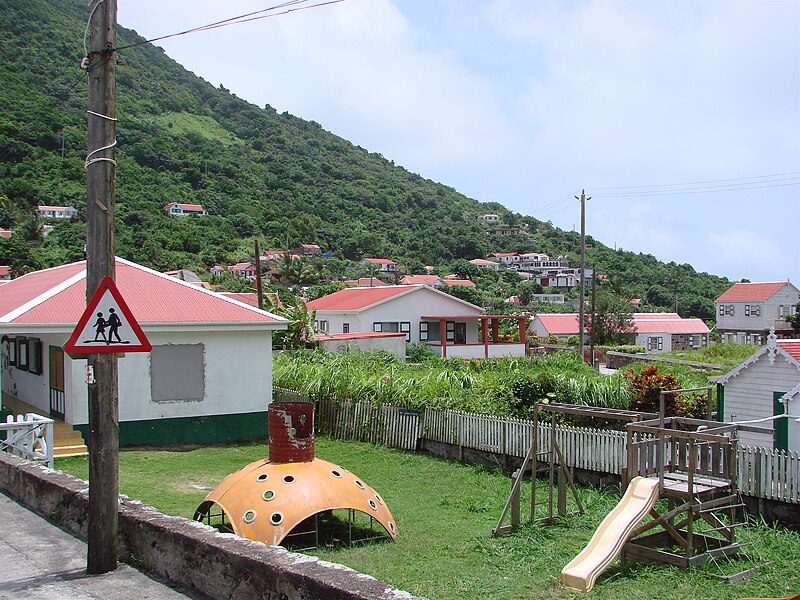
56, 212
382, 265
489, 218
423, 314
431, 280
189, 389
364, 282
244, 270
182, 210
5, 233
447, 281
307, 250
746, 312
508, 259
5, 273
485, 264
764, 385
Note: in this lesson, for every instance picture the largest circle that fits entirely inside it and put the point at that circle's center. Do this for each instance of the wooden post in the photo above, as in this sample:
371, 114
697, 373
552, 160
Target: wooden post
103, 438
259, 286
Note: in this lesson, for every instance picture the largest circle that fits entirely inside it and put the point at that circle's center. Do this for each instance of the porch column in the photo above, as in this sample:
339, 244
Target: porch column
443, 336
495, 330
485, 335
523, 330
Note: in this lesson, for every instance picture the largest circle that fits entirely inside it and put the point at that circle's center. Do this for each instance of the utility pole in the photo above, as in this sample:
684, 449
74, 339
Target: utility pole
594, 315
103, 533
581, 311
259, 285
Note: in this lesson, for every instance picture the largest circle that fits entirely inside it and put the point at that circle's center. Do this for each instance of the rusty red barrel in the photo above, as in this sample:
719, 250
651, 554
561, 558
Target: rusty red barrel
291, 432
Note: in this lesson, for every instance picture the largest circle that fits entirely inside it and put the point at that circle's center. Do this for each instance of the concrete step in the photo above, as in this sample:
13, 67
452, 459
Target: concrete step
65, 451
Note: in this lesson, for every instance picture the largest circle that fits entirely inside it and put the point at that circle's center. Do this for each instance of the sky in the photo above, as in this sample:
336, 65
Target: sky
681, 120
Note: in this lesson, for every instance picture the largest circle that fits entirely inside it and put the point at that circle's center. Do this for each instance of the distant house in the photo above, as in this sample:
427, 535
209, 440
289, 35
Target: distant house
184, 275
463, 282
5, 272
182, 210
382, 264
307, 250
189, 389
244, 270
490, 218
217, 270
273, 255
764, 385
554, 298
423, 314
507, 258
5, 233
656, 332
485, 264
56, 212
364, 282
432, 280
746, 312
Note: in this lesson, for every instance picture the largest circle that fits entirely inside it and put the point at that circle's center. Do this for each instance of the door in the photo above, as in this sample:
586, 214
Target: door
780, 434
459, 333
57, 398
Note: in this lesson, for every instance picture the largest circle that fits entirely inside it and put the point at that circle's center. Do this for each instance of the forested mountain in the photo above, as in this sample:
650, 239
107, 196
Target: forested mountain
259, 174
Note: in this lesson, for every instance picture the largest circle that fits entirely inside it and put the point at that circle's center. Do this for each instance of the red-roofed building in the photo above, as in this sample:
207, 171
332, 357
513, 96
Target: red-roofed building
423, 314
5, 272
765, 385
5, 233
746, 312
181, 210
485, 264
656, 332
464, 282
56, 212
382, 264
364, 282
308, 250
432, 280
189, 389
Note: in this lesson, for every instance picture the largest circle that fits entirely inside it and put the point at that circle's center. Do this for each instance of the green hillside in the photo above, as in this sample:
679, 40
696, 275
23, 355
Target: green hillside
259, 174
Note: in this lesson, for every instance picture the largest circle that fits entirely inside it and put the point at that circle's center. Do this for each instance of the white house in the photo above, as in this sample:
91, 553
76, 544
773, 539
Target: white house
56, 212
384, 265
656, 332
181, 210
765, 385
746, 312
485, 264
207, 379
423, 314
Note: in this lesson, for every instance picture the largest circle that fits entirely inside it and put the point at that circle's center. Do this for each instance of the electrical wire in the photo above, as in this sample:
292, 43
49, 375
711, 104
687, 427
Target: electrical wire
290, 6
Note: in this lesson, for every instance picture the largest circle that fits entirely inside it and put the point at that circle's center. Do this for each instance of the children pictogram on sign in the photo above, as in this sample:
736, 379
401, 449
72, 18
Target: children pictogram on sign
113, 323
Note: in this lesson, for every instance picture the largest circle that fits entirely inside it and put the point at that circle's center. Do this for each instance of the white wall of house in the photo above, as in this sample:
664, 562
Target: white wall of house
237, 378
757, 316
478, 350
395, 345
654, 342
749, 395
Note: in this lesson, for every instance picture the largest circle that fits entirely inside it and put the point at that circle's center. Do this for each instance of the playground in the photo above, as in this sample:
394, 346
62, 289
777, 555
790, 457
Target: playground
445, 513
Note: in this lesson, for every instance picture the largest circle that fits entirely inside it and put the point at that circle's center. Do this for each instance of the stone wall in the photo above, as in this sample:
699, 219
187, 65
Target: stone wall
617, 360
189, 554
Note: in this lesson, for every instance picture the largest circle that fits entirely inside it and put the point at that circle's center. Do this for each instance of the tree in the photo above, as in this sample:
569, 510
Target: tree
613, 318
794, 320
300, 330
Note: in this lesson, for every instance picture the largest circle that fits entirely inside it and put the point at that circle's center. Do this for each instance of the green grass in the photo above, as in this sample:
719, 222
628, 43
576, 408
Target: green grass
728, 354
445, 512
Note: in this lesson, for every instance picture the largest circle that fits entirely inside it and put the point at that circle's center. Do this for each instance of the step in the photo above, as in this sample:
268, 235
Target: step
67, 437
65, 451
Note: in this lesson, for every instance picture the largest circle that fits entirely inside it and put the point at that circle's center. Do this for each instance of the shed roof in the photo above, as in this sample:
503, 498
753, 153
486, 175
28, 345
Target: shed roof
754, 292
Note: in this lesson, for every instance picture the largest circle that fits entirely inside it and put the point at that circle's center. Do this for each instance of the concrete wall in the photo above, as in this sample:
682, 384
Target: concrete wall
395, 345
190, 554
618, 360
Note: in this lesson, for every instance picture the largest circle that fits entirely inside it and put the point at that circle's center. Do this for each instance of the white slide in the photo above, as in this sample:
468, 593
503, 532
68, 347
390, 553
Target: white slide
606, 543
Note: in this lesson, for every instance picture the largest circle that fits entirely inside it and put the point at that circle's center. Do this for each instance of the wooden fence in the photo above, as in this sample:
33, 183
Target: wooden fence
763, 472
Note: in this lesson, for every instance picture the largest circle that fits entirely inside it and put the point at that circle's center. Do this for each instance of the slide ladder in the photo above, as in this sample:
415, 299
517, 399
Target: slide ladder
606, 543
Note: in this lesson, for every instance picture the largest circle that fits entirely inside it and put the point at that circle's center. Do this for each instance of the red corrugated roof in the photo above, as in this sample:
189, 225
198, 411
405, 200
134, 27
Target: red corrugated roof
567, 324
560, 324
792, 347
420, 280
689, 326
380, 261
754, 292
151, 296
466, 282
360, 297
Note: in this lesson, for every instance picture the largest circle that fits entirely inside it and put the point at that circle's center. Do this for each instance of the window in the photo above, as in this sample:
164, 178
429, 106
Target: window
450, 329
780, 311
423, 331
746, 310
323, 326
730, 310
655, 343
12, 352
177, 373
755, 310
393, 327
721, 310
35, 356
22, 354
345, 327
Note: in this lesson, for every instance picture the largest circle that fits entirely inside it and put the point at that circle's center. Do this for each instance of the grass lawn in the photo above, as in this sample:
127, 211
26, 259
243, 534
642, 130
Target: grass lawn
445, 512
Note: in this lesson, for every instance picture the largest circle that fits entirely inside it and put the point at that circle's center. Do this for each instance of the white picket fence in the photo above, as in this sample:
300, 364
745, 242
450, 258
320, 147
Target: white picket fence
763, 472
29, 436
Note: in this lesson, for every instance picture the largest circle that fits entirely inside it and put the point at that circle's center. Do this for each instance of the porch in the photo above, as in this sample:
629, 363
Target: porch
474, 336
66, 440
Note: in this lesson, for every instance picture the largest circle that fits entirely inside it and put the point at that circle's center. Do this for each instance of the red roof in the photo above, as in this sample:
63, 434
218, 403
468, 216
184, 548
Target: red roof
58, 296
244, 297
380, 261
567, 323
466, 282
359, 298
560, 324
365, 282
5, 233
197, 207
420, 280
689, 326
792, 347
4, 270
753, 292
43, 207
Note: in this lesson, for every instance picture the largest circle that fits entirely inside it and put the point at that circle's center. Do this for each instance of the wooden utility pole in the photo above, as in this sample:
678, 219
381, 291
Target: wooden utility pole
259, 285
594, 316
103, 535
581, 311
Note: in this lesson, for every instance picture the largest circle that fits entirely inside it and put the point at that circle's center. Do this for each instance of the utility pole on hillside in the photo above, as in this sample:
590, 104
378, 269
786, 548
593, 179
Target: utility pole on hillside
259, 284
581, 311
100, 65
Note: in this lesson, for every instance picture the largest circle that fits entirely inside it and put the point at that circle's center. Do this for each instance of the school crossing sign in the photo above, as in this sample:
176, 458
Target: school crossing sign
107, 325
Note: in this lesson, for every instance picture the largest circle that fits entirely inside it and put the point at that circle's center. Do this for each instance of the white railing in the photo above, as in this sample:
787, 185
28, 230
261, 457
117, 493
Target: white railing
763, 472
28, 436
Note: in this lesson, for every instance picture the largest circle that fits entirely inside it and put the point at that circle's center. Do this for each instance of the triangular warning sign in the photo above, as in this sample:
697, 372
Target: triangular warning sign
107, 325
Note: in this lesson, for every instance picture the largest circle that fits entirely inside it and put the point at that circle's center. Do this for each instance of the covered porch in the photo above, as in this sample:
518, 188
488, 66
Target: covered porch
472, 336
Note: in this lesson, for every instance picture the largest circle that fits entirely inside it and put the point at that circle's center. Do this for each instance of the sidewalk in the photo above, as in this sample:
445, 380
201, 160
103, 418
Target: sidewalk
42, 562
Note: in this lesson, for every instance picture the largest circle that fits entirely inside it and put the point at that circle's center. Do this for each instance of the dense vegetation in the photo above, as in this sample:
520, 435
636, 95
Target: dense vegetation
260, 174
503, 387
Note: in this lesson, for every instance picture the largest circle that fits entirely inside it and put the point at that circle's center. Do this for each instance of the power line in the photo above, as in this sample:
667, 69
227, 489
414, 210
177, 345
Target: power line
290, 6
700, 190
631, 187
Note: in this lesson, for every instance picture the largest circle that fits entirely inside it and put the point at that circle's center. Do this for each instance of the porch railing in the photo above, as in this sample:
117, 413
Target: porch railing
28, 436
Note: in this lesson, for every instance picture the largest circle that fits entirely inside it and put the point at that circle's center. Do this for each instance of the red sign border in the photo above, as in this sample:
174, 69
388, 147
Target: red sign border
107, 284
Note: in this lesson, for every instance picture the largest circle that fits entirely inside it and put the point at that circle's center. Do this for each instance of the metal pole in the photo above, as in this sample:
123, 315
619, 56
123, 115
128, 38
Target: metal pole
103, 438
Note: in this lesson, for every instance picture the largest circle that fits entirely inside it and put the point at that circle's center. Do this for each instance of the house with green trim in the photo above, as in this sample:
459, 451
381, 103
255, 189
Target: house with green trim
207, 380
762, 388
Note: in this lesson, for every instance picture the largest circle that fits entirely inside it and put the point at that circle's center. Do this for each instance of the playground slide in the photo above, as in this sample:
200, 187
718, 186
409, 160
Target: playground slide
581, 573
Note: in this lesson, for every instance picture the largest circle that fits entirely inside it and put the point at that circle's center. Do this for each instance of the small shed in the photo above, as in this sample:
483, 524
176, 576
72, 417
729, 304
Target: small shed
763, 386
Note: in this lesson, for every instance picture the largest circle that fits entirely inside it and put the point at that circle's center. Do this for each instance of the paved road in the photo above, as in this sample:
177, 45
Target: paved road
39, 561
